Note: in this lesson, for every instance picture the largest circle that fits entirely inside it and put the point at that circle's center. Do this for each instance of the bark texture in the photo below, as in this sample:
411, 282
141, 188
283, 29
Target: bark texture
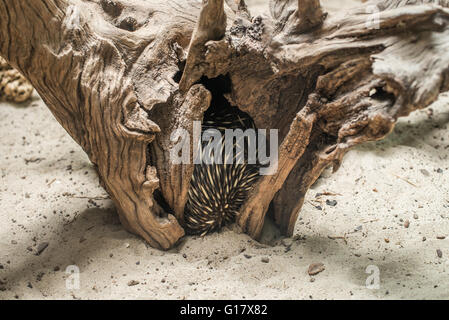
122, 75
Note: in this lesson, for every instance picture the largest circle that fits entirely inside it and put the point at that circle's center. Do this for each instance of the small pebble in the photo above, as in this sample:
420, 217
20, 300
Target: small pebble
316, 268
133, 283
40, 276
41, 247
331, 203
439, 253
265, 260
406, 224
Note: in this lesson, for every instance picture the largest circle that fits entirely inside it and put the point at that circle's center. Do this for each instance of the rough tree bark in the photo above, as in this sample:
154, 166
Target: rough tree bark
122, 75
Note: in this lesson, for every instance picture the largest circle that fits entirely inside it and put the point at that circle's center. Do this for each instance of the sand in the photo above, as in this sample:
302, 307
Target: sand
49, 195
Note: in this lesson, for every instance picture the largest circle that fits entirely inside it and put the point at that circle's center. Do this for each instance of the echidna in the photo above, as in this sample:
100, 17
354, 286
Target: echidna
218, 191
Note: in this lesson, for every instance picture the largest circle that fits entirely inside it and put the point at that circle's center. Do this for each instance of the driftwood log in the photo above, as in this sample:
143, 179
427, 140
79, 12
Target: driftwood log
121, 75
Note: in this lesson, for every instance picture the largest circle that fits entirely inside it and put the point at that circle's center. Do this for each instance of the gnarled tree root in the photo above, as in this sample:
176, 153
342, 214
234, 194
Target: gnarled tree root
122, 76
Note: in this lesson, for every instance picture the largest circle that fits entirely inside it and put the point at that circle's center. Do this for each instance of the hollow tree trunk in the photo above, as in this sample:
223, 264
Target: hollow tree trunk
122, 75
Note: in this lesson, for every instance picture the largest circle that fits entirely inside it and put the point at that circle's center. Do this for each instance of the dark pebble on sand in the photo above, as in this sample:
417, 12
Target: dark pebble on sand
41, 247
40, 276
331, 203
133, 283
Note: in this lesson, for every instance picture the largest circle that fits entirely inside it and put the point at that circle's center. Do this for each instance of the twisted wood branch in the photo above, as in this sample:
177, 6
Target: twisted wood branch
122, 76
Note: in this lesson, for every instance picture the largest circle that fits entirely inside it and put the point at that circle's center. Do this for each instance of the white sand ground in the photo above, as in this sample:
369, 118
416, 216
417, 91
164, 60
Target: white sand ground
46, 180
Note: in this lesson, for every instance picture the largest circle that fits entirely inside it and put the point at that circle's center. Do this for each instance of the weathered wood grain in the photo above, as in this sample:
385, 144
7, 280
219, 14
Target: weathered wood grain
122, 75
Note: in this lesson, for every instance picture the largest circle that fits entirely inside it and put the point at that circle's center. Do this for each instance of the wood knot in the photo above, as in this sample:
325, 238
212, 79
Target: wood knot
112, 8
